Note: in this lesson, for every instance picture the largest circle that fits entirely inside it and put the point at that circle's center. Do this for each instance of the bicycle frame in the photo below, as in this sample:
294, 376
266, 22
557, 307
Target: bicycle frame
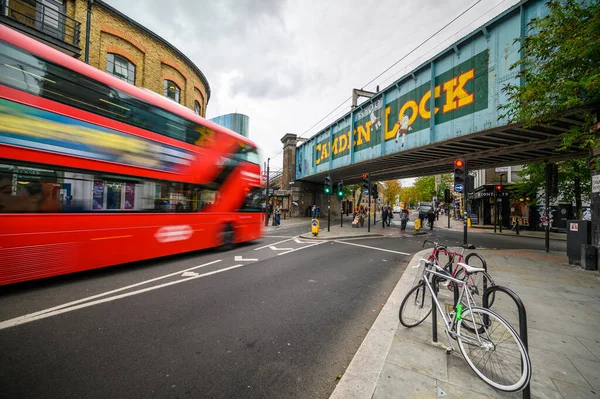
450, 324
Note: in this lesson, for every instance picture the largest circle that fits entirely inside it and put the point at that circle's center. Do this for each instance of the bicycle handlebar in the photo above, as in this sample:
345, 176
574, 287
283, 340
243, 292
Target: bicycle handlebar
435, 244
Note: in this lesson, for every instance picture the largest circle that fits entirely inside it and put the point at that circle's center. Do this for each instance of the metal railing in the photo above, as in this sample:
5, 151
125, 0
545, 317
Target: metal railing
42, 18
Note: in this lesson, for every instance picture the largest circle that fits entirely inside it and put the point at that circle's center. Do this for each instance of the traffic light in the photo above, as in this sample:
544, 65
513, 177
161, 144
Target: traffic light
499, 190
340, 191
365, 181
447, 197
327, 188
460, 175
374, 192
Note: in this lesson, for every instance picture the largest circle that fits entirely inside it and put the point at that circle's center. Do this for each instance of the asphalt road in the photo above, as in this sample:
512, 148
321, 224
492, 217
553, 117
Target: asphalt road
284, 320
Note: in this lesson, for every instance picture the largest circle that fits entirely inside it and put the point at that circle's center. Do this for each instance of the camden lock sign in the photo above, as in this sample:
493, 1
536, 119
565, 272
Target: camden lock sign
458, 92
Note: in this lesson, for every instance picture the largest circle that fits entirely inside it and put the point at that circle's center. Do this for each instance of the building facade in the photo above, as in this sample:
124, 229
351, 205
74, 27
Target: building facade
239, 123
114, 43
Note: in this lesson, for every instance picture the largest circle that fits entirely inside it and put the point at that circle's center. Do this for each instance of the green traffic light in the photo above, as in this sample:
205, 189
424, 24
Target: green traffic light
340, 193
327, 190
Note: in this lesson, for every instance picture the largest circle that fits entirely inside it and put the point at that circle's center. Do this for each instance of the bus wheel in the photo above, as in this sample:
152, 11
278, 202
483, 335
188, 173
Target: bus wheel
227, 237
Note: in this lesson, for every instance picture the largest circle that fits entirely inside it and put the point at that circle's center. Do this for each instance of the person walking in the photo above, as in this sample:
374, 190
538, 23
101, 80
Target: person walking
384, 216
390, 215
430, 218
403, 219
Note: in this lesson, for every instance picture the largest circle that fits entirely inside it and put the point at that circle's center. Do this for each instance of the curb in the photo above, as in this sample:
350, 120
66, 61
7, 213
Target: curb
362, 375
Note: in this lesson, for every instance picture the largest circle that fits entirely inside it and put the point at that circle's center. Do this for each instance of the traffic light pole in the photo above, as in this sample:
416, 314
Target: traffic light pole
369, 209
341, 215
329, 212
465, 206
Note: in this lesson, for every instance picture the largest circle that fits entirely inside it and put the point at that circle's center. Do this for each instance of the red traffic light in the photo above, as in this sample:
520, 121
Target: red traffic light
365, 175
459, 163
498, 188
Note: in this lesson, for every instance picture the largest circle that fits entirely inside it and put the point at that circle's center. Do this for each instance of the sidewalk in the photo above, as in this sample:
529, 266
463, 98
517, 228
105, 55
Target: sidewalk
563, 317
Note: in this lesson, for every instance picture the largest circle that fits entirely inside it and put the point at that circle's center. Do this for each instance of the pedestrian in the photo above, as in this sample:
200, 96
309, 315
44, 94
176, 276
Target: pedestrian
384, 216
403, 219
390, 215
430, 218
276, 216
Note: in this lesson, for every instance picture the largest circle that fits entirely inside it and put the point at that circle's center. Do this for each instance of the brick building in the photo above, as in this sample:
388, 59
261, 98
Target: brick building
117, 45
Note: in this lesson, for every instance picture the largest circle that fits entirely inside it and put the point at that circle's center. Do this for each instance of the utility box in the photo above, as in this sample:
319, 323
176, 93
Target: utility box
589, 257
579, 232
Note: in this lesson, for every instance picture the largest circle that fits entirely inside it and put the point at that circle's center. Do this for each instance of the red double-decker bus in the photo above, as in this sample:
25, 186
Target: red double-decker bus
97, 172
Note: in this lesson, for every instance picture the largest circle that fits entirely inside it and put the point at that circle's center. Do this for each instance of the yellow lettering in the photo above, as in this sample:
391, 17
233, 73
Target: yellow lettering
325, 152
335, 146
456, 96
415, 111
389, 134
362, 133
318, 155
343, 142
423, 111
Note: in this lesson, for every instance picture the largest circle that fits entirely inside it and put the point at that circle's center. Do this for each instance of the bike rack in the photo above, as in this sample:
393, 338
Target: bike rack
522, 321
489, 290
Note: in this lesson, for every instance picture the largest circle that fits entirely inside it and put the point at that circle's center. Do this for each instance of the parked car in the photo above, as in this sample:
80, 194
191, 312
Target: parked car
397, 209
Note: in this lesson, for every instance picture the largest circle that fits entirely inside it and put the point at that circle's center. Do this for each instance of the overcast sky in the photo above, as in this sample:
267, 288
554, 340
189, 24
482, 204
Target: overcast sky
288, 63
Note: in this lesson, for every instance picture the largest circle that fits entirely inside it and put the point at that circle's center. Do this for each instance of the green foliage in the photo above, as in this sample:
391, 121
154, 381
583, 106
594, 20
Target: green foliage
391, 191
559, 70
425, 188
573, 176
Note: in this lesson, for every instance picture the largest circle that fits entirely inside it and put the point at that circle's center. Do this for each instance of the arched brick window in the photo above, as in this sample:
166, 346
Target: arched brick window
197, 108
171, 90
120, 67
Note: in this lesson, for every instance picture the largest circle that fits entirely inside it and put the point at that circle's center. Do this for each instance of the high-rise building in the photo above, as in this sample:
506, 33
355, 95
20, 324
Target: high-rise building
236, 122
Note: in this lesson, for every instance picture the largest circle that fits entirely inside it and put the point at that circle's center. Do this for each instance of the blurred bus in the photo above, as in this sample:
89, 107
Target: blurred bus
96, 172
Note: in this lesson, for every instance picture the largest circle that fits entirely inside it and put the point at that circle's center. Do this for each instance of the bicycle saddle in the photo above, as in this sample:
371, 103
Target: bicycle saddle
470, 269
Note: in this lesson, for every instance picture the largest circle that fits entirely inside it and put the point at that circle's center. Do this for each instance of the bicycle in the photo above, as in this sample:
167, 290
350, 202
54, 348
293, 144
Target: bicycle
477, 282
489, 348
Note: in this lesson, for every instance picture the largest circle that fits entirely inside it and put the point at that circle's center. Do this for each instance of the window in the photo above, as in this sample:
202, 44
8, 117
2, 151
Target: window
32, 188
32, 74
120, 67
197, 107
171, 90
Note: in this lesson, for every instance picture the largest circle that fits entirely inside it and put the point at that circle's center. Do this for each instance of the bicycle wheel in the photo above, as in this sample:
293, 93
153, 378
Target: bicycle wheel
416, 306
497, 354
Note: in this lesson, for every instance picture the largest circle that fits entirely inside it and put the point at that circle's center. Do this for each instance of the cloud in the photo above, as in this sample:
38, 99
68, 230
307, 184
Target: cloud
288, 63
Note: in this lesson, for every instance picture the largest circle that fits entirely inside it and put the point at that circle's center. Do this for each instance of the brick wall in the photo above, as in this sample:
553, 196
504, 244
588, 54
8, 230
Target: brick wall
154, 62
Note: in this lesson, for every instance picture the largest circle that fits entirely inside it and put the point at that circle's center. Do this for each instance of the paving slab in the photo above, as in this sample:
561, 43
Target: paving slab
563, 311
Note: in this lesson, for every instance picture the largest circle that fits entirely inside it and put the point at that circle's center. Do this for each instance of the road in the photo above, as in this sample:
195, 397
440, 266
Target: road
281, 317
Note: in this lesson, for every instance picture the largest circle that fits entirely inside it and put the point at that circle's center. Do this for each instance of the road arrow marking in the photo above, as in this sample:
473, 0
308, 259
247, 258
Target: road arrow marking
241, 259
189, 274
279, 249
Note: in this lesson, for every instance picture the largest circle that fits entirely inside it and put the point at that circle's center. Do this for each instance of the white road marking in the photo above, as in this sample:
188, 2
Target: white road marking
113, 291
29, 318
298, 249
277, 237
268, 245
240, 259
189, 274
274, 248
366, 246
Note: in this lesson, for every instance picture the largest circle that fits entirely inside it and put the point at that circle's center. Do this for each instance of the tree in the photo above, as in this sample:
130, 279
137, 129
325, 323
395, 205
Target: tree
425, 188
391, 191
559, 71
574, 182
408, 195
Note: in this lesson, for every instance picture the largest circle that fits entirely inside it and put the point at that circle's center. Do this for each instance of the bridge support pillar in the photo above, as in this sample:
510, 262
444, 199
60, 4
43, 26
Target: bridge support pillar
595, 199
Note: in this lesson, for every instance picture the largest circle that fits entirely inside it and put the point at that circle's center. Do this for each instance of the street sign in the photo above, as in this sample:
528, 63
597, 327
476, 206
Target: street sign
314, 223
459, 188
